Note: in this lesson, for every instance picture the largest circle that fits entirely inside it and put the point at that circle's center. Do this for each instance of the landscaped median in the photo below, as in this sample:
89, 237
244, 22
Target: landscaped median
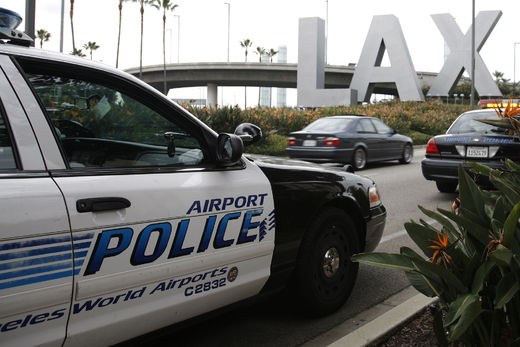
419, 120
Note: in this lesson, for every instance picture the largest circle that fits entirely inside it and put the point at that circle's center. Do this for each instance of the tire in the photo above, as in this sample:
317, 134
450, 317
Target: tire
359, 158
325, 275
446, 186
407, 155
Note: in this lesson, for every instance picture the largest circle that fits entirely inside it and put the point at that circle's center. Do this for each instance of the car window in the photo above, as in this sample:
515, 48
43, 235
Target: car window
468, 123
329, 124
7, 160
99, 126
381, 127
365, 126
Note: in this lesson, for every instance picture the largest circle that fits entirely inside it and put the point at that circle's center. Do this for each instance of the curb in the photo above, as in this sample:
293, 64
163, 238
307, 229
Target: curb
379, 327
371, 325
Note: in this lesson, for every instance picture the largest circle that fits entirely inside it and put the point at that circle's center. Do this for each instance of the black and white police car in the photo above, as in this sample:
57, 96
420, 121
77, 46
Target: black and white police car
122, 213
468, 140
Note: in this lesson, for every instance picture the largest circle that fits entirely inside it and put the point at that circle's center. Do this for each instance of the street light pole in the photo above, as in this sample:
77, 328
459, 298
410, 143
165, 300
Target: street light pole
178, 36
228, 24
61, 26
326, 28
514, 66
472, 97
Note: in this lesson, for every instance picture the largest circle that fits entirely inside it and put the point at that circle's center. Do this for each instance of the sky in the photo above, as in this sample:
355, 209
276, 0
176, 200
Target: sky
200, 32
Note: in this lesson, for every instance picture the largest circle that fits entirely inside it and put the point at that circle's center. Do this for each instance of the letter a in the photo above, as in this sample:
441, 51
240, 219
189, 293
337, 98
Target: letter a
385, 33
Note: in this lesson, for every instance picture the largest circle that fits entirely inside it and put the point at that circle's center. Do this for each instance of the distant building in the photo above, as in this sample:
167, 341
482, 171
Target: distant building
281, 93
265, 92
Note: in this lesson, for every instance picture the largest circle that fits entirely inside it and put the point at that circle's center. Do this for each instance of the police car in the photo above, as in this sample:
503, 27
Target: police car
121, 213
469, 139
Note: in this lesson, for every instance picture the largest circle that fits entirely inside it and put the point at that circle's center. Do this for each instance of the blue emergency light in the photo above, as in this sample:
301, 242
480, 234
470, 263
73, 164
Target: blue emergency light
9, 21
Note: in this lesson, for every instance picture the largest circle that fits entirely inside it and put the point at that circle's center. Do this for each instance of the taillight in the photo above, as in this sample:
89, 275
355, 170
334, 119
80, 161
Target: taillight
291, 141
331, 141
431, 147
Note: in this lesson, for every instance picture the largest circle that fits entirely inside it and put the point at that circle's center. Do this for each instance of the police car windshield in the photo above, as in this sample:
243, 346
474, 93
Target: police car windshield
468, 123
329, 125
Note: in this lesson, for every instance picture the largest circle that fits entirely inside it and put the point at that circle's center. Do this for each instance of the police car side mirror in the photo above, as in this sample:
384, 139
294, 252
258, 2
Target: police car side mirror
229, 149
249, 133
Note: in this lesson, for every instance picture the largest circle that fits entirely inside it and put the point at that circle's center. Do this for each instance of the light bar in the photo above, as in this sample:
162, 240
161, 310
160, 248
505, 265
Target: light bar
9, 19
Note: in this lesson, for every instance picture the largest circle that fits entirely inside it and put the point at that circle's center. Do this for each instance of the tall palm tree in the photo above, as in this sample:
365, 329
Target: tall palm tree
165, 5
260, 51
142, 3
271, 53
72, 24
246, 43
119, 32
43, 35
91, 46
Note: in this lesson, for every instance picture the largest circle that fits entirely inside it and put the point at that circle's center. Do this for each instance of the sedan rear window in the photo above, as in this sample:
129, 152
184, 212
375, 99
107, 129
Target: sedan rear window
468, 123
329, 124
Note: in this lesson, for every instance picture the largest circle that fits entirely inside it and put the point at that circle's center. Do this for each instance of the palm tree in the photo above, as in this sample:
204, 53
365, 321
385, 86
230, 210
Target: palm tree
166, 5
72, 24
119, 32
91, 46
271, 53
246, 43
77, 52
43, 35
260, 51
142, 3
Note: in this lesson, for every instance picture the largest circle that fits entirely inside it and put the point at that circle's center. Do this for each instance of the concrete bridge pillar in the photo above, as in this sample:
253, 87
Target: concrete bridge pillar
212, 94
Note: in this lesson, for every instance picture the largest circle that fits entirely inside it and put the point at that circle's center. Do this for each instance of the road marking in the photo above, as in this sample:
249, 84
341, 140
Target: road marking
402, 233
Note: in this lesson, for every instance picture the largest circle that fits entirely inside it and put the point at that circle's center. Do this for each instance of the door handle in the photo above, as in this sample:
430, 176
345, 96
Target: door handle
101, 204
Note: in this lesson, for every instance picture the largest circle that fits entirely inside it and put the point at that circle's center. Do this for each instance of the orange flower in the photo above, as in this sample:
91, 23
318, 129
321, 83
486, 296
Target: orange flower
441, 256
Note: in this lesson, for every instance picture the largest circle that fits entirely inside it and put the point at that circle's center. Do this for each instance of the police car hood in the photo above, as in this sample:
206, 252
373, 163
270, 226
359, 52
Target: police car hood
299, 170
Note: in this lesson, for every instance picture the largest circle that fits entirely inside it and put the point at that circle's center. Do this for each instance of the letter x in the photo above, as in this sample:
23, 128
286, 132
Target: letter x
460, 56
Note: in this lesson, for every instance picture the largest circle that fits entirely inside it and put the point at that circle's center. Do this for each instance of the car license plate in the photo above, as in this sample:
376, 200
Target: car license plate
476, 152
309, 143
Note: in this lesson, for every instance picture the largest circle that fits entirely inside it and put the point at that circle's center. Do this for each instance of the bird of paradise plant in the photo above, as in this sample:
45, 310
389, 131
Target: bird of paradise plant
472, 263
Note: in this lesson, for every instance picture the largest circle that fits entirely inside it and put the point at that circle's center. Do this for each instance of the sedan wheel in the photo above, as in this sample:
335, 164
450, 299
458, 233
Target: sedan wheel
407, 154
359, 159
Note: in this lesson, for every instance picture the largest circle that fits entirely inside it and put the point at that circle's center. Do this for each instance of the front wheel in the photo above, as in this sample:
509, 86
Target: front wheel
407, 155
325, 275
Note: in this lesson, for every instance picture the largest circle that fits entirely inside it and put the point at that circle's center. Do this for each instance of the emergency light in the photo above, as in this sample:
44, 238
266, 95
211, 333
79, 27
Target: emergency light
9, 21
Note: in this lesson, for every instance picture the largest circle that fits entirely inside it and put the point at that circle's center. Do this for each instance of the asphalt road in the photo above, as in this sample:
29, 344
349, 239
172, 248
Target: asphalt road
274, 322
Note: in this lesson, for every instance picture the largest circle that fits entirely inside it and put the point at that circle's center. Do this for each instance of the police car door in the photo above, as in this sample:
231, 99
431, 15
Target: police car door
36, 265
173, 235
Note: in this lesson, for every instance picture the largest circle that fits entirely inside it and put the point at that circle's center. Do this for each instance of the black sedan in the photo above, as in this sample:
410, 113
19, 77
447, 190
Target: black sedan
352, 139
467, 140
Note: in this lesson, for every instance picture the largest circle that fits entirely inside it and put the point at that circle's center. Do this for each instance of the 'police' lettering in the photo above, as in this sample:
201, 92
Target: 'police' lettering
101, 250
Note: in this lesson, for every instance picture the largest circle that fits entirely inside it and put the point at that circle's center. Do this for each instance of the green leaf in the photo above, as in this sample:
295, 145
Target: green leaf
440, 276
506, 290
442, 221
476, 230
422, 284
510, 225
502, 256
467, 318
392, 261
422, 236
458, 306
508, 190
480, 276
470, 196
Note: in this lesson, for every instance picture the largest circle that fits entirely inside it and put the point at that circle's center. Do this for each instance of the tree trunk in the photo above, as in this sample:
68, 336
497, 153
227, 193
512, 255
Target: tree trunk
72, 24
119, 33
141, 51
164, 51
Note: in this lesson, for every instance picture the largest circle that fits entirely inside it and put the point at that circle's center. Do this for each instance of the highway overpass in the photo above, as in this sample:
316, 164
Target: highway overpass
252, 74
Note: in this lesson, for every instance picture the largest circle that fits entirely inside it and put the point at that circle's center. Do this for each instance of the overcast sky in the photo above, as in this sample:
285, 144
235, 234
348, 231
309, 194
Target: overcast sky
270, 24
